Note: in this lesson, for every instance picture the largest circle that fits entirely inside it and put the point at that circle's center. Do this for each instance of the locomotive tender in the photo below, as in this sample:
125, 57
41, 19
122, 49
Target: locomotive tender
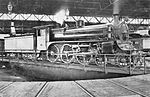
82, 44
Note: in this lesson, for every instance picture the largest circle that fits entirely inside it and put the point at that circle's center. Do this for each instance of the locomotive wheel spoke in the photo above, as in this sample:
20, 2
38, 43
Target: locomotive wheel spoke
12, 55
52, 55
32, 57
121, 60
17, 56
138, 61
99, 60
66, 53
84, 59
25, 57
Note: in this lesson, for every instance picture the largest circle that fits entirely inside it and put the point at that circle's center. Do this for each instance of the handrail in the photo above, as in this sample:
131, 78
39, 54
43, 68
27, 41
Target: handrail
131, 64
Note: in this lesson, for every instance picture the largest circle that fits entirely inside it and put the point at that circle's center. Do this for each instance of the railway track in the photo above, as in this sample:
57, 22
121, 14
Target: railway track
41, 90
89, 88
3, 88
120, 85
125, 87
84, 89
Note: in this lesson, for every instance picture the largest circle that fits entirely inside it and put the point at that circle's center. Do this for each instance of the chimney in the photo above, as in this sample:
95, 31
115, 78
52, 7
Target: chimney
116, 11
116, 20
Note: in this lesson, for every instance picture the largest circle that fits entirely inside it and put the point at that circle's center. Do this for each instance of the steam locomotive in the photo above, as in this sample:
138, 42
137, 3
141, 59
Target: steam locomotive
83, 44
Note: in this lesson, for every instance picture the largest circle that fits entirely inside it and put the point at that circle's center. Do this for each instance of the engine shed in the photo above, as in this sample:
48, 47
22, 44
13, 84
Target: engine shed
88, 45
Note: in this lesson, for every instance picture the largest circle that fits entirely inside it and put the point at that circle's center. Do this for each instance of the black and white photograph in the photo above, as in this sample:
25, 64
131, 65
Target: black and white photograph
74, 48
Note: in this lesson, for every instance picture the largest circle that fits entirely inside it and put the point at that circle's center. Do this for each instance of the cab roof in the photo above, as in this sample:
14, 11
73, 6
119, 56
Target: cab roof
43, 26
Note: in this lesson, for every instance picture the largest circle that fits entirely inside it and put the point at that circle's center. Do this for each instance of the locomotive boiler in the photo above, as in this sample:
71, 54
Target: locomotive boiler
82, 44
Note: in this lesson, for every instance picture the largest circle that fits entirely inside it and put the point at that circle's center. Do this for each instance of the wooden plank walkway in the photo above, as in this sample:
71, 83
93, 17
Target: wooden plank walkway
135, 86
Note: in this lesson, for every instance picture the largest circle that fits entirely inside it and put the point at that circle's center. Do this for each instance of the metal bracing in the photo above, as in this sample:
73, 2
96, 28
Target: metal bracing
94, 19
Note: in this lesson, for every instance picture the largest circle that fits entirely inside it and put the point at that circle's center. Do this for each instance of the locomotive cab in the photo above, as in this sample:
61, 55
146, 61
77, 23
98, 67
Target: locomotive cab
42, 36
